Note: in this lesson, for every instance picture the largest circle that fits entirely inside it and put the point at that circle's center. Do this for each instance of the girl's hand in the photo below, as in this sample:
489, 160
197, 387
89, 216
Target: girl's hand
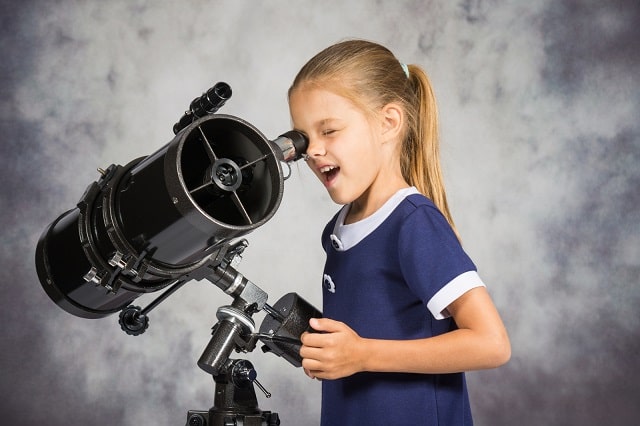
479, 342
334, 352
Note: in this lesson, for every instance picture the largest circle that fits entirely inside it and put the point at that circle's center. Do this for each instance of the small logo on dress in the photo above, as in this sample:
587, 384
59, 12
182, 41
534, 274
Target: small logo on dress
336, 243
327, 282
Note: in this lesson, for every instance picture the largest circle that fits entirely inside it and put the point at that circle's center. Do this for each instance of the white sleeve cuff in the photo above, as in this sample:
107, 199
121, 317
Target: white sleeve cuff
451, 291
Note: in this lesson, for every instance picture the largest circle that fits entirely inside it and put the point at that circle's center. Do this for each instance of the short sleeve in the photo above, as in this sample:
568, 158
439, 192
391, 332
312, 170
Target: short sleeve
433, 263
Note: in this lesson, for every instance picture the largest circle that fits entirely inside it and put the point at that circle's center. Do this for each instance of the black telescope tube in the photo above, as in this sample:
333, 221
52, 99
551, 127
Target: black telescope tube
142, 226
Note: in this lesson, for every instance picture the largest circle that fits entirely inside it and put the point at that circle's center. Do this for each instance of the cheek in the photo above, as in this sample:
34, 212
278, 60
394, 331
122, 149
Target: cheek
364, 151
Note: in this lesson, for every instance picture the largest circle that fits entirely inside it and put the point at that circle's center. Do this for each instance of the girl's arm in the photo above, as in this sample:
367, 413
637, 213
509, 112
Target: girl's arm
480, 342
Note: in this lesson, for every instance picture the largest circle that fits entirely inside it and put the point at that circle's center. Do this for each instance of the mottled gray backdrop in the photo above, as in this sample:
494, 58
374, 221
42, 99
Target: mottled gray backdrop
540, 108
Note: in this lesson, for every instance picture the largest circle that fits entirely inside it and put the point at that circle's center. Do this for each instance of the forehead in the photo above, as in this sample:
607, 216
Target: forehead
318, 96
319, 104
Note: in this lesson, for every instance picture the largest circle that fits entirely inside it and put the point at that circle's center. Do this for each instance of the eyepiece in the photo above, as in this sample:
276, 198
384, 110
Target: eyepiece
209, 103
291, 145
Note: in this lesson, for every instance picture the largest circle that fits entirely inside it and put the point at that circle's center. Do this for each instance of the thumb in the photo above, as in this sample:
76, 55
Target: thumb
326, 325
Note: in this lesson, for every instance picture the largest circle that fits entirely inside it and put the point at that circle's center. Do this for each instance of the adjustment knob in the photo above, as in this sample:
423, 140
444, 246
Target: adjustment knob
243, 374
132, 321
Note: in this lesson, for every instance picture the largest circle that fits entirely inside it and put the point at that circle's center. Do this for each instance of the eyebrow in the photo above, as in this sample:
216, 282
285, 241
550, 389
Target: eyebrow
319, 123
325, 121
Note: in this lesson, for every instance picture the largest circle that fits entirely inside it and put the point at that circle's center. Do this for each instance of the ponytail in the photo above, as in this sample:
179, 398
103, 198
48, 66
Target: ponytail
420, 160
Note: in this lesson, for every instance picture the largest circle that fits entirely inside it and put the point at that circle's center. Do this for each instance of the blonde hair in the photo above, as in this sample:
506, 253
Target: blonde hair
370, 76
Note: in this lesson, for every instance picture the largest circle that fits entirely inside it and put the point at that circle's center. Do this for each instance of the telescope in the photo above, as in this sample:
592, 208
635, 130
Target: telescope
176, 215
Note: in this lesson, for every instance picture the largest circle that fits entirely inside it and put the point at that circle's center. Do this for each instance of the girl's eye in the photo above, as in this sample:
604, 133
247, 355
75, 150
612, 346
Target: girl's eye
327, 132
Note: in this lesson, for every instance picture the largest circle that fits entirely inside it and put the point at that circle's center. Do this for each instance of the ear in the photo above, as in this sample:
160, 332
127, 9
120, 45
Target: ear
392, 120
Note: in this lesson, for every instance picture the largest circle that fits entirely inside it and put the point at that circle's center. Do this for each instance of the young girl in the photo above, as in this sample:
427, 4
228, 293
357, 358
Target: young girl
405, 310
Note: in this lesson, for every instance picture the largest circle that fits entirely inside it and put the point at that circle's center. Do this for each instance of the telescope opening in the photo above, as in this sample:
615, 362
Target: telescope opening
230, 172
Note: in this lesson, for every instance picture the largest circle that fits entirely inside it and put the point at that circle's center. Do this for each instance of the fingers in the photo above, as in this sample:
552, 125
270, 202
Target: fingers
328, 352
312, 368
323, 327
310, 374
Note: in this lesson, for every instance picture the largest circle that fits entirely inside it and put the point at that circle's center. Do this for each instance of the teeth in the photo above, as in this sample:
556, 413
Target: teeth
326, 169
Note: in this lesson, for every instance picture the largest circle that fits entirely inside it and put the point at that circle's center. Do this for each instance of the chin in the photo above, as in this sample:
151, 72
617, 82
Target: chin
340, 198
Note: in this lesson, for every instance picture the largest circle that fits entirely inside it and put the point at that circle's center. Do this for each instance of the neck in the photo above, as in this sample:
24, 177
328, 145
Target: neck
371, 201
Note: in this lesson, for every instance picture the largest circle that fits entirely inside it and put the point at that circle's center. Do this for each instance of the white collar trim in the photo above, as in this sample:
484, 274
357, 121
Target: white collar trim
345, 237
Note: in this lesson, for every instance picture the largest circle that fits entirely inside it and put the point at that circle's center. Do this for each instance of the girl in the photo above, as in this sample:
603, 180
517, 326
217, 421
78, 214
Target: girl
405, 310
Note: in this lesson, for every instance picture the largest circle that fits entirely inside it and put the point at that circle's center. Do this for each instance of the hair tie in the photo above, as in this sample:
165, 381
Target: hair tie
405, 68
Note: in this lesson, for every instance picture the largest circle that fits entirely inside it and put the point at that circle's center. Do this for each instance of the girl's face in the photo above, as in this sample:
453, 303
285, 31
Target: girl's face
348, 151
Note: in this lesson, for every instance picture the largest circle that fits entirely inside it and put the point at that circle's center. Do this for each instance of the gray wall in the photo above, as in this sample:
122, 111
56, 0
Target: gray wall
539, 107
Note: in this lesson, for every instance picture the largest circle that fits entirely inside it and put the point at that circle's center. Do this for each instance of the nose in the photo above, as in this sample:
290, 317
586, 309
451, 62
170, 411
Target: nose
316, 148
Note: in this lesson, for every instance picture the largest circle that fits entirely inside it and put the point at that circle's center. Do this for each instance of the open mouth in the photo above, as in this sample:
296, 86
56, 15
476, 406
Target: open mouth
329, 173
